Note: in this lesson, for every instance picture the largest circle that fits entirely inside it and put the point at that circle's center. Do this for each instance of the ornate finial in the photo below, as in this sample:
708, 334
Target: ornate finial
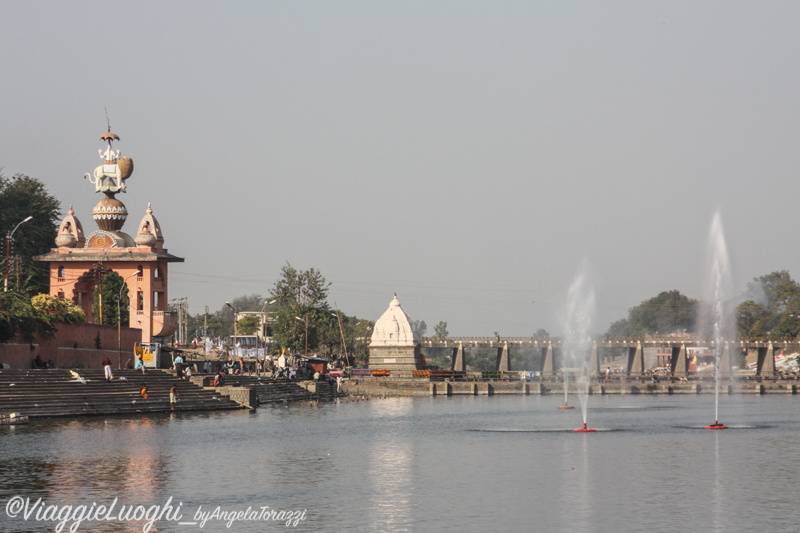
70, 212
149, 209
110, 177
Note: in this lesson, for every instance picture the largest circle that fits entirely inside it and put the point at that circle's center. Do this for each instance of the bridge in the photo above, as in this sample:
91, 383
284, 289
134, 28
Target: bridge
550, 350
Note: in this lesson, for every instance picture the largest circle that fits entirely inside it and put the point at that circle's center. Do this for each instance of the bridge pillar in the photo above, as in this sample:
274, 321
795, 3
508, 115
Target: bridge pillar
458, 359
594, 361
636, 360
766, 361
679, 361
725, 362
502, 358
547, 361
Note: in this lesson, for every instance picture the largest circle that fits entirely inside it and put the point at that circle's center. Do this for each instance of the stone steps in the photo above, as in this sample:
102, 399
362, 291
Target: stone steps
56, 392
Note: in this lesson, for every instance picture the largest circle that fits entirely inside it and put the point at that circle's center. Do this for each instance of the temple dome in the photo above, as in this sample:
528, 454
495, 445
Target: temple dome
70, 232
149, 234
394, 328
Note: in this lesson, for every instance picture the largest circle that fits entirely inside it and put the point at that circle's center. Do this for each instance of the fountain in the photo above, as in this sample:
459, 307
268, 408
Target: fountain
577, 340
719, 291
583, 395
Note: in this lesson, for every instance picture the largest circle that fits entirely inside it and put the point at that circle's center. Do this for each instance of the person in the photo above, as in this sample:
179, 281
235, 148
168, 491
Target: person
338, 383
219, 380
38, 363
179, 366
140, 364
107, 368
188, 371
173, 396
143, 390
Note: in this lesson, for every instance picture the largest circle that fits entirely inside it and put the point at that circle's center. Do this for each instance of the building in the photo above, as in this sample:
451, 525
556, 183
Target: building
395, 343
78, 262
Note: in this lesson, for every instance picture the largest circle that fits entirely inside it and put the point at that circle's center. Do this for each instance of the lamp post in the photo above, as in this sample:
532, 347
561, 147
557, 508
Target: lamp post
341, 332
235, 327
119, 315
9, 238
306, 321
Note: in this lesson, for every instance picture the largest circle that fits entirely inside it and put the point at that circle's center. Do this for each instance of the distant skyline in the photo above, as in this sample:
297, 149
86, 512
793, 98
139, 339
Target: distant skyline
468, 156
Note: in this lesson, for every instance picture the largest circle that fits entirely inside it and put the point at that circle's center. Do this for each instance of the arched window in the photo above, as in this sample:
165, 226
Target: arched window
157, 272
61, 272
141, 271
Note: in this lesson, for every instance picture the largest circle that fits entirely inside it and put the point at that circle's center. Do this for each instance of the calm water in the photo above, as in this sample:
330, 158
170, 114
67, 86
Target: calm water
439, 464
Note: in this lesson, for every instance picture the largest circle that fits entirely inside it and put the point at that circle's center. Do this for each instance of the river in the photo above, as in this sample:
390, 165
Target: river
421, 464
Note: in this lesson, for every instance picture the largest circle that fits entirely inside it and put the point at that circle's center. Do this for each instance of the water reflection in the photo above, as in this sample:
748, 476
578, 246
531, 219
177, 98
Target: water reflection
390, 461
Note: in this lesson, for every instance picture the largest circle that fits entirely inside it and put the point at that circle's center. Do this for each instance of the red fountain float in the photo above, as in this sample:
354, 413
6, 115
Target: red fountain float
716, 425
584, 429
565, 406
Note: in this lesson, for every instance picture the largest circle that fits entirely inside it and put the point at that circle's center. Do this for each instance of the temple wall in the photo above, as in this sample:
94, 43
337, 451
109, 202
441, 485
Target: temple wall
73, 346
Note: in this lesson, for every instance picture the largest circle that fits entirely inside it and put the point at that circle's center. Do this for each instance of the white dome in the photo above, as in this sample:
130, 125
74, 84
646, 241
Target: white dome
394, 328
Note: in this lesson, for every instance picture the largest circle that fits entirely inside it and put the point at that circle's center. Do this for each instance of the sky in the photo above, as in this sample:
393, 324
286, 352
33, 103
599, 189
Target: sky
473, 157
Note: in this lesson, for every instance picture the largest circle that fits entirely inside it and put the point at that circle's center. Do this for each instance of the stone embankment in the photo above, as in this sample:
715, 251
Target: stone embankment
58, 392
422, 387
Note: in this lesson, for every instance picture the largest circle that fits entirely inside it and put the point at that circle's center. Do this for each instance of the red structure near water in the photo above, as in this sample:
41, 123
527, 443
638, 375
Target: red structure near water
584, 429
716, 425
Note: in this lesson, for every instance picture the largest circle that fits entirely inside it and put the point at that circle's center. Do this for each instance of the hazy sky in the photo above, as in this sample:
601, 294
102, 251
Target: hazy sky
470, 156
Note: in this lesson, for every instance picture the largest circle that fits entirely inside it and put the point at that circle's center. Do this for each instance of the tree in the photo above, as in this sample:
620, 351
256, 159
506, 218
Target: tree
668, 312
303, 316
111, 285
752, 319
421, 328
440, 330
773, 290
20, 197
247, 325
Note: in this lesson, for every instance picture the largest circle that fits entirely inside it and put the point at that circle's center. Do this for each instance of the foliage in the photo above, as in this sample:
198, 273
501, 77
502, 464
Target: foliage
421, 327
752, 319
773, 307
58, 309
18, 316
247, 325
20, 197
440, 330
666, 313
301, 288
303, 317
112, 283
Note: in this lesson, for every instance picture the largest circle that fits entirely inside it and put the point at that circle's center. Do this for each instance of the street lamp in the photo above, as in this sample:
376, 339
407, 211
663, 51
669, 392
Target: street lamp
9, 238
119, 315
235, 327
306, 321
341, 332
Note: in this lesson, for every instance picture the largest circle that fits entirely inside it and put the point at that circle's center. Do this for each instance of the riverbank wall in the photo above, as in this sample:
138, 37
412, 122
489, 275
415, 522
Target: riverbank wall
380, 387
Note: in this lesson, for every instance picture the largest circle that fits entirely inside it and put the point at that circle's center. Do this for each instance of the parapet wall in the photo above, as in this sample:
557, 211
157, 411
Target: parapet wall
73, 346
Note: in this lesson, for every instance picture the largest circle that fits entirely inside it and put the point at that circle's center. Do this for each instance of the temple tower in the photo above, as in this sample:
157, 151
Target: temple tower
395, 343
78, 262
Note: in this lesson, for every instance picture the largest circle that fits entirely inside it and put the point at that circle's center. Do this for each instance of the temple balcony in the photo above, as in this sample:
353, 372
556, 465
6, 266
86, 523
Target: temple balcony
165, 323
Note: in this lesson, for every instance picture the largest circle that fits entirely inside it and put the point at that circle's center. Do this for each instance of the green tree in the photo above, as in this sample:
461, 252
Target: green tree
773, 290
303, 317
247, 325
440, 330
668, 312
112, 286
20, 197
752, 319
421, 327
